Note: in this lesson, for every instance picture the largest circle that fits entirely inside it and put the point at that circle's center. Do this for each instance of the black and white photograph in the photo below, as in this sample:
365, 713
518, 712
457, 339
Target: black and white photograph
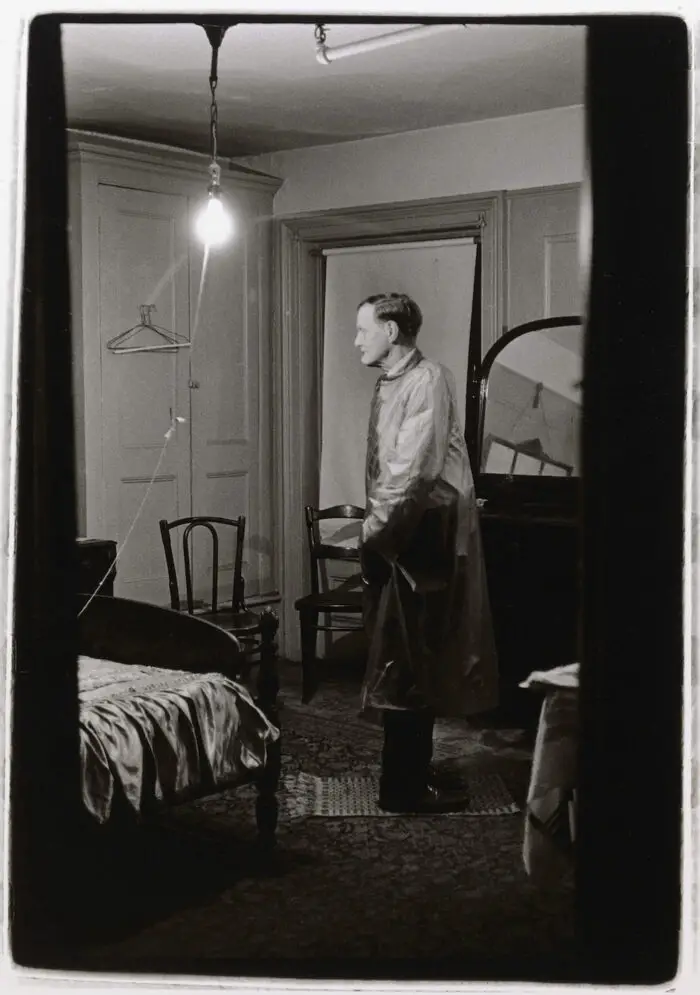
349, 513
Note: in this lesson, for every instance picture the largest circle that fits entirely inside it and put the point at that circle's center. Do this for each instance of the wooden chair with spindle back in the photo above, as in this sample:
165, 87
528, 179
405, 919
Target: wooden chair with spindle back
255, 632
342, 600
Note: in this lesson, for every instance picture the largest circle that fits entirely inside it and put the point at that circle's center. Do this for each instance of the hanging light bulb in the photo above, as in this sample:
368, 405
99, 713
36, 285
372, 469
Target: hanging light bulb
214, 225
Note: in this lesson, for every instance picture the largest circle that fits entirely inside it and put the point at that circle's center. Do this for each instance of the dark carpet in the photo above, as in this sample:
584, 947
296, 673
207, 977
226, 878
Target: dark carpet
419, 897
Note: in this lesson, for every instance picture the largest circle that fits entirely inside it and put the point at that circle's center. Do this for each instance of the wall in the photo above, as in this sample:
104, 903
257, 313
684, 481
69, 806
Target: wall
545, 148
540, 151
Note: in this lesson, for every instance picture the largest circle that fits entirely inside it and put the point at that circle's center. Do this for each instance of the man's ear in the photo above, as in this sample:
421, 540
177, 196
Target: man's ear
392, 331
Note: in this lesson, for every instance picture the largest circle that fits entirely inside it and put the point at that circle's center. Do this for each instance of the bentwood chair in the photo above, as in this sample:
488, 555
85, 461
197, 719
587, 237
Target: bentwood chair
334, 605
255, 632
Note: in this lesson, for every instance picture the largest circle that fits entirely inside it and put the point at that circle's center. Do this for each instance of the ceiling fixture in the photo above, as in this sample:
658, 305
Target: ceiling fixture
326, 55
214, 224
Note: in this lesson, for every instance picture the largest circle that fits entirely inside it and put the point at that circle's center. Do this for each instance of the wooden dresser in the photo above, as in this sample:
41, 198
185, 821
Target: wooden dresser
526, 401
95, 558
533, 571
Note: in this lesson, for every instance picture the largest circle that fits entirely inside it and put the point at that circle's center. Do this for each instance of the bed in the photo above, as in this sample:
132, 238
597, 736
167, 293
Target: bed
167, 713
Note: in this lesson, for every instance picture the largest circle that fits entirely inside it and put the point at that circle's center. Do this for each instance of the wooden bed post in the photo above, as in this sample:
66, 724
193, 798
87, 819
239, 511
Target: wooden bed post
267, 806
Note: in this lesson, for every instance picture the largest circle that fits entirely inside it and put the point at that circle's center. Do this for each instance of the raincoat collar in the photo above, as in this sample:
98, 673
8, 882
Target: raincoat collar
403, 366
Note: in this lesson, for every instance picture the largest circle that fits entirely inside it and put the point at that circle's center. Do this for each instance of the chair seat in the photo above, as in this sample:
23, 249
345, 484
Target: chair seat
331, 601
236, 622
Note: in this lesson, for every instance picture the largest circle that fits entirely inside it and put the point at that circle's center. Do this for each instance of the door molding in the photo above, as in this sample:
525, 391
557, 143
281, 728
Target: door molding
299, 241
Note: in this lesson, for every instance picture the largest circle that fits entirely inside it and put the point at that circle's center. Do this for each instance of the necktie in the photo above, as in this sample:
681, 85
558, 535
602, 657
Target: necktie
372, 462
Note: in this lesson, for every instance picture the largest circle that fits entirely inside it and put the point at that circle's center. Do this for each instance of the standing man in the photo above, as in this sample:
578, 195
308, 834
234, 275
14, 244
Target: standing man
426, 605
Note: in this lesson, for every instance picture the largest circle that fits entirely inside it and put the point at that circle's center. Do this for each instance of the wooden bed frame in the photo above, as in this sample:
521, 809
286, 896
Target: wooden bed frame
139, 634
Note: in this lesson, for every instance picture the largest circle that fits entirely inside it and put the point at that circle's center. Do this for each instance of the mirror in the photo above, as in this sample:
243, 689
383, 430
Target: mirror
530, 400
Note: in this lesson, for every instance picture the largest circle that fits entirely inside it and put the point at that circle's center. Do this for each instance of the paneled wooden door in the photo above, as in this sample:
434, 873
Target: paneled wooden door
231, 468
143, 259
217, 460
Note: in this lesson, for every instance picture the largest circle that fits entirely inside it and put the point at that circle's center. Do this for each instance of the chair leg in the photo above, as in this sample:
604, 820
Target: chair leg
268, 678
308, 621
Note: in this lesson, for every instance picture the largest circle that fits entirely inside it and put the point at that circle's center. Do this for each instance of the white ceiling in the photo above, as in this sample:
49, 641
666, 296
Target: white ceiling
150, 81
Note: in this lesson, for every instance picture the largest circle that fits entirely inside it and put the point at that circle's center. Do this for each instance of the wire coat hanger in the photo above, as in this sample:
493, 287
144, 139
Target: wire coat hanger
171, 342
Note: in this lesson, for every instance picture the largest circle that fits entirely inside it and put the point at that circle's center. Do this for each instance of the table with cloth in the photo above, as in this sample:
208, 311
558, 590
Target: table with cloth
550, 820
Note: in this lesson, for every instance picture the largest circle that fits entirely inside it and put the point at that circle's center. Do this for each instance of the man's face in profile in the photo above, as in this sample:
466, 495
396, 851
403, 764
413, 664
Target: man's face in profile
372, 337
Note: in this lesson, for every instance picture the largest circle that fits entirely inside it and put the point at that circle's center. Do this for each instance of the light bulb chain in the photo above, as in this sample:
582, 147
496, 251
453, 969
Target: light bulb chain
214, 119
213, 82
215, 33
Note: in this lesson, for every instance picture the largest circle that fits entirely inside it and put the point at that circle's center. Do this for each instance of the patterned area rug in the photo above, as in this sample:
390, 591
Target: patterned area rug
348, 897
305, 795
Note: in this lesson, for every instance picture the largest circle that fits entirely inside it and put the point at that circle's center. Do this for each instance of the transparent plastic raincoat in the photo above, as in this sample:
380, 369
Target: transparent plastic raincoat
426, 603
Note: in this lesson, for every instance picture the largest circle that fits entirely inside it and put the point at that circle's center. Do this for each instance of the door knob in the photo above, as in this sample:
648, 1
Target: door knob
193, 384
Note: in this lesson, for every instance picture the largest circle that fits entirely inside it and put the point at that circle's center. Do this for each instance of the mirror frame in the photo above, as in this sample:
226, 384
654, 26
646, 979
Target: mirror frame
554, 496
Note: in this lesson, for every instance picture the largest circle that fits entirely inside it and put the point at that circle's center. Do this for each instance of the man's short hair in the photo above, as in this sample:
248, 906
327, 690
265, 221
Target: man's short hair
399, 308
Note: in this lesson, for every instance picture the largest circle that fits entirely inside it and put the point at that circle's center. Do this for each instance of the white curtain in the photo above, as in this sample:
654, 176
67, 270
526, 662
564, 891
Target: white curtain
439, 276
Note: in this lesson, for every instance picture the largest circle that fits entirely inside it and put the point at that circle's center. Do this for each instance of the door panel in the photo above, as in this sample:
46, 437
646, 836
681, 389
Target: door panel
226, 415
543, 270
225, 490
143, 255
141, 568
561, 274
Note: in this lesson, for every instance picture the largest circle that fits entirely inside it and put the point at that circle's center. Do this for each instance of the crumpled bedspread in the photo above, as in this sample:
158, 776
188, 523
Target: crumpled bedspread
152, 737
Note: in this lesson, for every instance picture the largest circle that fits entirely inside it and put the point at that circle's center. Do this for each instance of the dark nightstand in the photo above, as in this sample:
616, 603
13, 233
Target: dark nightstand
95, 556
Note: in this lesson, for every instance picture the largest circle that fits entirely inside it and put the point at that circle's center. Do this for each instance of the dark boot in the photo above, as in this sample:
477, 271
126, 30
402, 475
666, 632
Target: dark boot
404, 782
432, 801
436, 777
401, 775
